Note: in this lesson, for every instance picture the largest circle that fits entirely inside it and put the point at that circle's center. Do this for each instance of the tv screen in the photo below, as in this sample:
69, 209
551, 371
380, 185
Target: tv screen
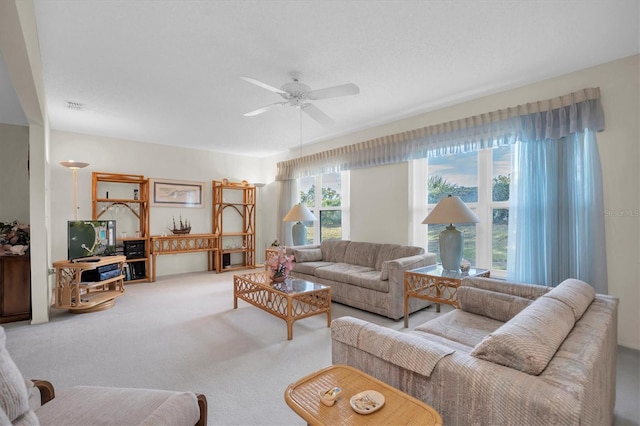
91, 238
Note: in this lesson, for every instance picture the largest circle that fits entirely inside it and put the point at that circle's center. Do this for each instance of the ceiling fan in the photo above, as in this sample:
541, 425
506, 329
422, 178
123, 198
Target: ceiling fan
297, 94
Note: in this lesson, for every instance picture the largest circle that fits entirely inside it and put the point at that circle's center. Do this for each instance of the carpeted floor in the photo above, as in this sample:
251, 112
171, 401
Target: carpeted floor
182, 333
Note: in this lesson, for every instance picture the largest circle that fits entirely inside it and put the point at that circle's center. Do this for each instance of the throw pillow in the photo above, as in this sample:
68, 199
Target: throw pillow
577, 294
14, 400
492, 304
529, 340
307, 255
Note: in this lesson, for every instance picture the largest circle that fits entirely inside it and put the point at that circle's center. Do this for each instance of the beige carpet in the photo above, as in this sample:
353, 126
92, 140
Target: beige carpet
182, 333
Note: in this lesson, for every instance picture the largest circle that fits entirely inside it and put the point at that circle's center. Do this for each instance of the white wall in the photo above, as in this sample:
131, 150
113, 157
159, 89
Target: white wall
376, 194
14, 146
620, 157
152, 161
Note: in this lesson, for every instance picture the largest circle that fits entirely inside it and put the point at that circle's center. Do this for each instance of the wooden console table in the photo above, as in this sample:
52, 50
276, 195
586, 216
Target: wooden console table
186, 243
80, 296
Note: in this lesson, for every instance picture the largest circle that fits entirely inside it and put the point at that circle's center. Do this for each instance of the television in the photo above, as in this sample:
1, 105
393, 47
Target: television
91, 238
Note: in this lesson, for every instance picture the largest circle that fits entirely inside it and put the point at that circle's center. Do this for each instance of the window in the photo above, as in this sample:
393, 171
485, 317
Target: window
329, 205
481, 179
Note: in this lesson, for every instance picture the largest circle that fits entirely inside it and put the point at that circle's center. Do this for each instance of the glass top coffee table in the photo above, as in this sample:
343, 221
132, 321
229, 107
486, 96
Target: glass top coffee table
290, 300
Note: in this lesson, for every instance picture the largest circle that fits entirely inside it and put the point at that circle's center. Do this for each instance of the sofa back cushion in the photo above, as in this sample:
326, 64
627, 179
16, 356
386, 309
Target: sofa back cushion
362, 254
530, 339
492, 304
388, 252
14, 399
307, 255
576, 294
333, 250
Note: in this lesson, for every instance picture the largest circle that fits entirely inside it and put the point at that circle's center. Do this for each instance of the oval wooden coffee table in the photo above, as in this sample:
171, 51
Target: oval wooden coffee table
398, 409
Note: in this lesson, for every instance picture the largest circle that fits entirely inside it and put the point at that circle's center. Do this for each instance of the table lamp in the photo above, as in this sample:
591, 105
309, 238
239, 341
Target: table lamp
450, 210
299, 213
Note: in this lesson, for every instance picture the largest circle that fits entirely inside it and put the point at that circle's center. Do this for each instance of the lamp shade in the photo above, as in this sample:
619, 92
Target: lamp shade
450, 210
299, 213
73, 164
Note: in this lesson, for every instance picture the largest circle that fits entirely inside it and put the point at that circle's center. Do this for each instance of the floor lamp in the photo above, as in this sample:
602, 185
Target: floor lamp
299, 213
74, 166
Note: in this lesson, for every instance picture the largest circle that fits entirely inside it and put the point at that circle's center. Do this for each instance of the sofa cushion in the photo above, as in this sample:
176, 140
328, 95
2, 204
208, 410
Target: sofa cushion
309, 268
577, 294
307, 255
86, 405
333, 250
499, 306
394, 251
528, 291
369, 279
460, 326
14, 398
529, 340
363, 254
340, 271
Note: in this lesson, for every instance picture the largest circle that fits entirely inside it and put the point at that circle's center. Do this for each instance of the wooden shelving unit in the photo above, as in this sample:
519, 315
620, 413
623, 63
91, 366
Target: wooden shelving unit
234, 221
126, 197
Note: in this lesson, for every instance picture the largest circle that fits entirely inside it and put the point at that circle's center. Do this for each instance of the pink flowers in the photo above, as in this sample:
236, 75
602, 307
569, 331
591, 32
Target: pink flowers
280, 264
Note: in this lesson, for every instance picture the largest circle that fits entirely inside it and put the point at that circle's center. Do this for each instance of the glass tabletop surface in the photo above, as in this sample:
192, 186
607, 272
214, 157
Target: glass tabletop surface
439, 271
290, 285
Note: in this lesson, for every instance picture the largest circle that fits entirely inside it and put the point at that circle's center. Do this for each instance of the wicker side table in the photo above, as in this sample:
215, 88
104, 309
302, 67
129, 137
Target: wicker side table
398, 409
435, 284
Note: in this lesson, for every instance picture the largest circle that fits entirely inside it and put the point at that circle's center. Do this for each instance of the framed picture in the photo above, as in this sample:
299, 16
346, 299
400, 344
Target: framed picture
176, 193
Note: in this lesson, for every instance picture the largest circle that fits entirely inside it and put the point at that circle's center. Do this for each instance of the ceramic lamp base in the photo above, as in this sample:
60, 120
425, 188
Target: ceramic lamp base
451, 241
299, 234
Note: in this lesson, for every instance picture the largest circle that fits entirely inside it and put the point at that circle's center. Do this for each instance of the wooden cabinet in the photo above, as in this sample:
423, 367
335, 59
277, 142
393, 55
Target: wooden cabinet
15, 288
125, 198
234, 221
89, 286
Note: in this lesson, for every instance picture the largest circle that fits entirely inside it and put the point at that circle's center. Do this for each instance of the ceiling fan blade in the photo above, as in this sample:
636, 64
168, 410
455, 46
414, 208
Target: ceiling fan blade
263, 85
263, 109
313, 112
333, 92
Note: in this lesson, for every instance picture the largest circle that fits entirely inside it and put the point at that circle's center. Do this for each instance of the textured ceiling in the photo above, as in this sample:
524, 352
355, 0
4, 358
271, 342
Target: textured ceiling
169, 71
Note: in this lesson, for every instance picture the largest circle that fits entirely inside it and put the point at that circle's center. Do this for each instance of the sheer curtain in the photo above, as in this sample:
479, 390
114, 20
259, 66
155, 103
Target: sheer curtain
556, 213
556, 224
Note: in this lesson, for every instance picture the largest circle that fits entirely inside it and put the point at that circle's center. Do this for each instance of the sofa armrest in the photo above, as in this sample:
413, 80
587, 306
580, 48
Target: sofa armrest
47, 392
403, 350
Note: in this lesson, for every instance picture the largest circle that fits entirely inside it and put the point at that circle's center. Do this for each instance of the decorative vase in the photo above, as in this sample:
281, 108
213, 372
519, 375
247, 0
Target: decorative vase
278, 278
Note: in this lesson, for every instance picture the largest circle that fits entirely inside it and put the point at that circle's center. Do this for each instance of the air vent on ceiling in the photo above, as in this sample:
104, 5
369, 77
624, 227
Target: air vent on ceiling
75, 105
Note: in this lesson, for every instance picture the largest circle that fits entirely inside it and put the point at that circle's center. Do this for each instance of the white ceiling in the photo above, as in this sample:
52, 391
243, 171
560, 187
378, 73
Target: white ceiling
169, 72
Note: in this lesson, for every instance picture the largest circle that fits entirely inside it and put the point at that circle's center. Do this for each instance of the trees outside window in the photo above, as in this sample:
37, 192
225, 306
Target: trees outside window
328, 205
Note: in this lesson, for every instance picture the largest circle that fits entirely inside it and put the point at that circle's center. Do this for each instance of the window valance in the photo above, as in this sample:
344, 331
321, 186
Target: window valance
547, 119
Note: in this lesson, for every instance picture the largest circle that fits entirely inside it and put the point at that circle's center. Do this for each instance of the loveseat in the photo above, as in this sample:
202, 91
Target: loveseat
368, 276
512, 354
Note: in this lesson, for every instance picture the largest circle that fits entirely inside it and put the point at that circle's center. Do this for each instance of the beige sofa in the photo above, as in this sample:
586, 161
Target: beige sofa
368, 276
512, 354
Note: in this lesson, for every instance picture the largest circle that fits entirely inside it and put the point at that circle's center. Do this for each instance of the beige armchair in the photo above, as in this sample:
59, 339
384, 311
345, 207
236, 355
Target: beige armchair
35, 402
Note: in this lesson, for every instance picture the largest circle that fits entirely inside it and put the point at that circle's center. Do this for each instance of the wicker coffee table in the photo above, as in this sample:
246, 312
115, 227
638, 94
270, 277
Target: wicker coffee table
398, 409
290, 300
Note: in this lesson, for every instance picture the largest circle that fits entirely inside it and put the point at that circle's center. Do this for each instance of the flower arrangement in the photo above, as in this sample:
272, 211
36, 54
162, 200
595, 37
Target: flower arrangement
280, 264
14, 237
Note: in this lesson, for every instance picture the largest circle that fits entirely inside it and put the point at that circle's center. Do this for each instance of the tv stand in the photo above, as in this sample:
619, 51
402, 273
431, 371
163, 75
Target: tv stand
80, 297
